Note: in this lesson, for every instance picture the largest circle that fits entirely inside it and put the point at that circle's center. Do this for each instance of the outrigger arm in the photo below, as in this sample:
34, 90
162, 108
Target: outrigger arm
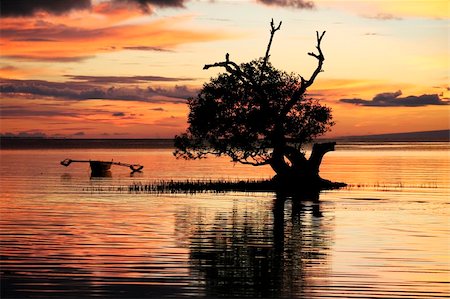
133, 167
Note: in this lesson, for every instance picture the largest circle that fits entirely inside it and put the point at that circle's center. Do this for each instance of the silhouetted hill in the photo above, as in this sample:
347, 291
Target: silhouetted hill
439, 135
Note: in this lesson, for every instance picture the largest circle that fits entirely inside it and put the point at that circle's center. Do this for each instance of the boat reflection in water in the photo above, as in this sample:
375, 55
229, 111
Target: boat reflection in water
247, 254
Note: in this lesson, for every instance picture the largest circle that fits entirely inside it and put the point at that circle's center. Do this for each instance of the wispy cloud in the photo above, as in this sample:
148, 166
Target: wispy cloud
33, 39
55, 110
372, 34
383, 17
393, 99
65, 39
26, 112
146, 48
124, 79
300, 4
47, 58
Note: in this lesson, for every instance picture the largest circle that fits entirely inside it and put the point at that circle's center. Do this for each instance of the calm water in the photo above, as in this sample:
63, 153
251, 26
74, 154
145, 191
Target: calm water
64, 234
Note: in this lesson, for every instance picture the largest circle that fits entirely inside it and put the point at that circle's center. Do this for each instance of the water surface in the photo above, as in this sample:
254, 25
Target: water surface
65, 234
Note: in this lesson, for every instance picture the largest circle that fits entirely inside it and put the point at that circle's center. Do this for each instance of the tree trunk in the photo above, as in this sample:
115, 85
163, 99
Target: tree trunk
296, 173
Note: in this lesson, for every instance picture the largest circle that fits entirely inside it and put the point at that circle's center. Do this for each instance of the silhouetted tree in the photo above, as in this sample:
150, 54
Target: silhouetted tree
259, 115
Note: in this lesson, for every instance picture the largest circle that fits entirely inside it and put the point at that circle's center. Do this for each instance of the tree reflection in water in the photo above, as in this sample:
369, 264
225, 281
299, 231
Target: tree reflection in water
261, 252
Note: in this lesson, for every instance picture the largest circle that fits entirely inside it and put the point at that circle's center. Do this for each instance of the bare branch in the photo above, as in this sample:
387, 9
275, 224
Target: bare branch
319, 40
320, 59
297, 95
273, 29
232, 68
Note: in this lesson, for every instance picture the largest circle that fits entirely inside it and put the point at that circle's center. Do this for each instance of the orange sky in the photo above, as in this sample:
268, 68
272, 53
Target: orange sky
113, 69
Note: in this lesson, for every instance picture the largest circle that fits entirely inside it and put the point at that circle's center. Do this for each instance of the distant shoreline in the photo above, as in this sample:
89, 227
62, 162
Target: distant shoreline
63, 143
424, 136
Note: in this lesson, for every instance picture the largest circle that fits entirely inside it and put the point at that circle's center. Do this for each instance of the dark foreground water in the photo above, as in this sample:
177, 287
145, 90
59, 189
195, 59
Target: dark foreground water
65, 234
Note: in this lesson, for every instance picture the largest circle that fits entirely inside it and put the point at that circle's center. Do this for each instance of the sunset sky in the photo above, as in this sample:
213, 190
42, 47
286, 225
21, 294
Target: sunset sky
124, 68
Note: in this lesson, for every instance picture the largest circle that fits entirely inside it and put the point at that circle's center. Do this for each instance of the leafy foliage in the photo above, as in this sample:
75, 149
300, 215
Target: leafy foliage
233, 116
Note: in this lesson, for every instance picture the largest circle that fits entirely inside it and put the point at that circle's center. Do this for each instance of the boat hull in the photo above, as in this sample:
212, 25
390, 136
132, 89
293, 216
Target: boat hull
100, 168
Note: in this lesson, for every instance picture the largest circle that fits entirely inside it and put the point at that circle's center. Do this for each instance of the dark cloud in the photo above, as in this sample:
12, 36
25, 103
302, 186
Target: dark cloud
301, 4
157, 109
48, 111
162, 3
13, 8
119, 114
31, 39
14, 112
146, 48
24, 8
79, 134
79, 91
124, 79
178, 91
393, 99
144, 4
43, 30
25, 134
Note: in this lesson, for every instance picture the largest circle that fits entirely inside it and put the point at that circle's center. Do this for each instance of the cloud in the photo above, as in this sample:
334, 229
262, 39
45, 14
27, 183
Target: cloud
157, 109
59, 39
45, 30
146, 48
393, 99
48, 59
383, 17
25, 134
8, 68
82, 91
178, 91
24, 8
31, 39
146, 5
118, 114
372, 34
13, 8
124, 79
79, 134
300, 4
14, 112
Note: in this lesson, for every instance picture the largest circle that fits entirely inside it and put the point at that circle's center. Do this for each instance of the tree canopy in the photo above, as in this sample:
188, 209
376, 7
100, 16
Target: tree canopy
252, 111
230, 117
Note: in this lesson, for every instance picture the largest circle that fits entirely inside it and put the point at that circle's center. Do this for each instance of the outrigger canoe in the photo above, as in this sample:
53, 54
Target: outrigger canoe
100, 168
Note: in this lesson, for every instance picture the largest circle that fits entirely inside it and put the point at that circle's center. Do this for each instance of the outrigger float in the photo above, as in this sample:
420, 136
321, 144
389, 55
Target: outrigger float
102, 168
